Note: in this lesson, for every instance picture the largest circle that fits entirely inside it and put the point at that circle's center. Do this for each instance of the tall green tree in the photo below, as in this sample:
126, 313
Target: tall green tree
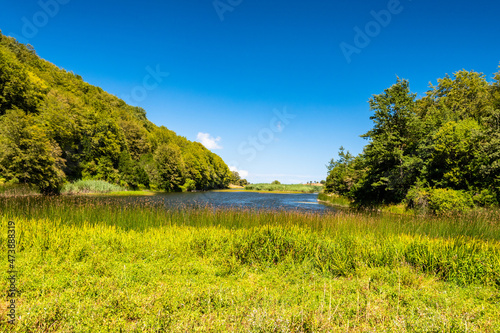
390, 159
170, 167
343, 174
452, 156
27, 155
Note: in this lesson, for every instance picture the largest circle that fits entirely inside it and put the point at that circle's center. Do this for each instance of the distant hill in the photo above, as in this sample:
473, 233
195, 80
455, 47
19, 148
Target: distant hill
55, 128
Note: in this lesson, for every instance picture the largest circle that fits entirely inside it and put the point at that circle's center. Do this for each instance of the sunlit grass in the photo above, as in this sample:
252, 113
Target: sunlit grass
88, 263
333, 199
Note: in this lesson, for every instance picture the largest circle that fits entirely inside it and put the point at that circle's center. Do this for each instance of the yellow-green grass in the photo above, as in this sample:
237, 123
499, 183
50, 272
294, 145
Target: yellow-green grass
334, 200
102, 264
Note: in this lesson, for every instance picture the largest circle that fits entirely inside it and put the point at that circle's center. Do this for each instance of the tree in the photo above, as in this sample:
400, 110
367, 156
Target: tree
465, 95
27, 155
235, 177
390, 159
276, 182
452, 155
170, 167
190, 185
16, 87
342, 174
131, 172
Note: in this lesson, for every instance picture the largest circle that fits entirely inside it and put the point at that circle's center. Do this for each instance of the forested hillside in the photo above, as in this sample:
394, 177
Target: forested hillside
56, 128
439, 152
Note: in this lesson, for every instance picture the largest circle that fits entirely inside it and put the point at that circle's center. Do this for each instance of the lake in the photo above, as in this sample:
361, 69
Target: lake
240, 199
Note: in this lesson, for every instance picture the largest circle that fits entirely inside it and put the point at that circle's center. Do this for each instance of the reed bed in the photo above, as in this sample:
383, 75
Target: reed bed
91, 186
98, 264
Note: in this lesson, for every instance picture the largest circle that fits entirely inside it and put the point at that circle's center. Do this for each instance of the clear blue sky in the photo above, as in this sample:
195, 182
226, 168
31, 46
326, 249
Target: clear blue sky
234, 64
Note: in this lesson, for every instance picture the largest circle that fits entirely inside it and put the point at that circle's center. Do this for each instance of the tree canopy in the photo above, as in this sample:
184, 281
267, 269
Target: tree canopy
447, 142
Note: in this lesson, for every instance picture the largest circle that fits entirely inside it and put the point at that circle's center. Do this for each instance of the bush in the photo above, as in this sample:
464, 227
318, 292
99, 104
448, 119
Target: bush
417, 199
276, 182
485, 198
440, 200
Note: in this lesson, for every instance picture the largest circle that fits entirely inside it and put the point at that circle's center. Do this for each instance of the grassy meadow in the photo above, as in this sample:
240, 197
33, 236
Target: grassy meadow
88, 264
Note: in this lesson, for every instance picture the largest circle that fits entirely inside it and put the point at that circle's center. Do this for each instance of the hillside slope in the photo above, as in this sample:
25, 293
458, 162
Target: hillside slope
54, 128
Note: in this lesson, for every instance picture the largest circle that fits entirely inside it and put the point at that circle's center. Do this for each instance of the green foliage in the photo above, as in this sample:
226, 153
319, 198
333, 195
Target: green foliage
27, 155
235, 179
190, 185
170, 167
452, 154
391, 165
132, 172
343, 174
439, 201
445, 200
446, 143
276, 182
83, 132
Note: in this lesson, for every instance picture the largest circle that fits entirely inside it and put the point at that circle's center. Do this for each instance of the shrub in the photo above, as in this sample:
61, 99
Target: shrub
443, 201
417, 199
440, 201
485, 198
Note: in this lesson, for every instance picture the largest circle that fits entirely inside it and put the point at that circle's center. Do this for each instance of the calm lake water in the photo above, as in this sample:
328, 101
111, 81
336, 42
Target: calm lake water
240, 199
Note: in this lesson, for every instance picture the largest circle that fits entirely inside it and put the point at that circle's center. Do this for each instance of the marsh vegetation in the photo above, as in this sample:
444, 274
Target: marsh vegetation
98, 264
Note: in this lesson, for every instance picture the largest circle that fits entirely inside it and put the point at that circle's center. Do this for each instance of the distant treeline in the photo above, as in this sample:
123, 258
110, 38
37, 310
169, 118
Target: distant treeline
440, 152
54, 128
278, 187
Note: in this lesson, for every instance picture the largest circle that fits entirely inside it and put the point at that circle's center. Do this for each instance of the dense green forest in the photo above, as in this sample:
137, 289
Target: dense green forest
440, 152
56, 128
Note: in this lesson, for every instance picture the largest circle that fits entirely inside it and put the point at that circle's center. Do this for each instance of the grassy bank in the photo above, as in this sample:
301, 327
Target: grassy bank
99, 264
334, 200
284, 188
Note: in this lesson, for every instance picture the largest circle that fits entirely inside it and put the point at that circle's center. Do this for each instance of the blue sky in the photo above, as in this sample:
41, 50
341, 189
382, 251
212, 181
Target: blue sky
273, 87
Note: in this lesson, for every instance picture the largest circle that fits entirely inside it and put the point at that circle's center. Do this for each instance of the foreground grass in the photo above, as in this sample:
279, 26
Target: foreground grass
103, 264
284, 188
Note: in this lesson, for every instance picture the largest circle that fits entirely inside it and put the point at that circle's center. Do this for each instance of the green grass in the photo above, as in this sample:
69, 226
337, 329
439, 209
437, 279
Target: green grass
9, 190
91, 186
284, 188
107, 264
334, 200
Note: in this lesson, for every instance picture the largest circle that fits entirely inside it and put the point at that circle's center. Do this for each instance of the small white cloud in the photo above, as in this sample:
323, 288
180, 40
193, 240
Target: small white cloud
208, 141
242, 173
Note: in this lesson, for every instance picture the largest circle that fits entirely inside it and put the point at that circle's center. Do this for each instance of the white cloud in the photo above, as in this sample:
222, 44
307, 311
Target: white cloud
208, 141
242, 173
